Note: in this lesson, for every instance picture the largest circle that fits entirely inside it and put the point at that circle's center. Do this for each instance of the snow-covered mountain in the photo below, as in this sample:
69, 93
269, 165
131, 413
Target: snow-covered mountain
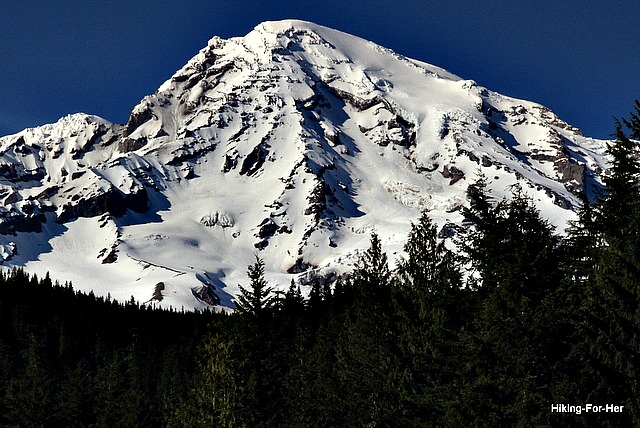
294, 142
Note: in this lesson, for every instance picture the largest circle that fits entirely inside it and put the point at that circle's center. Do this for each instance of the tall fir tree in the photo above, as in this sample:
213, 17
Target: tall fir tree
257, 300
430, 274
613, 307
214, 398
429, 301
366, 351
29, 400
517, 265
256, 360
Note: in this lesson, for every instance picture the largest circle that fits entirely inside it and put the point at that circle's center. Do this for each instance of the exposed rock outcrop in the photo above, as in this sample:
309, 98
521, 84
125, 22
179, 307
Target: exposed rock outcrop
207, 294
111, 201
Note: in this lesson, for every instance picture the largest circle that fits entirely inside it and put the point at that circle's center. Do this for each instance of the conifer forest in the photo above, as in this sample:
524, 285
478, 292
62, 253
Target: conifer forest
519, 318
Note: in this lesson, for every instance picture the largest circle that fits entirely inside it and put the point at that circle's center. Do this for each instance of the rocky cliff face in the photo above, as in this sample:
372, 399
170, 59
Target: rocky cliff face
294, 142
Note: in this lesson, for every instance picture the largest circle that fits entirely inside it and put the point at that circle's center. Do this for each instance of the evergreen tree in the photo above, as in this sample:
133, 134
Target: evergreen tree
633, 124
582, 243
29, 397
257, 360
582, 246
613, 304
111, 386
372, 268
74, 402
71, 359
517, 267
6, 372
257, 300
366, 351
429, 301
215, 395
430, 273
173, 379
293, 302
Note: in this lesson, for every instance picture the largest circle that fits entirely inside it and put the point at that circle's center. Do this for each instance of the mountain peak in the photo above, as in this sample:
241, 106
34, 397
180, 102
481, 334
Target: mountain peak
287, 25
295, 142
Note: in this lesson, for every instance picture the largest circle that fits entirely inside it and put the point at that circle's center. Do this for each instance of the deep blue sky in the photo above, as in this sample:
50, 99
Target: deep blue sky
580, 58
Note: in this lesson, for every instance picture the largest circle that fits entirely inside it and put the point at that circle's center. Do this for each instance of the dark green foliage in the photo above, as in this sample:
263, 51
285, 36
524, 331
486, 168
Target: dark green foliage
28, 396
366, 347
521, 319
633, 124
257, 300
612, 282
516, 337
430, 303
213, 395
70, 359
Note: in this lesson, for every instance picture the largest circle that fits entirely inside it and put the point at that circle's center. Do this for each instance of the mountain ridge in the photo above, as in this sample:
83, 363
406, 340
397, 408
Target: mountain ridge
293, 142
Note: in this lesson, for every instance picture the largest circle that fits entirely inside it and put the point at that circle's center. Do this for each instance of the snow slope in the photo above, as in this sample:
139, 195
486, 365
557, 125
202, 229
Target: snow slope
294, 142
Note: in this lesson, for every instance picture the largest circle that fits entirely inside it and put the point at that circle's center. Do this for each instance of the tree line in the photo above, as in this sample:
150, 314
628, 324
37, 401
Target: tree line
70, 359
518, 319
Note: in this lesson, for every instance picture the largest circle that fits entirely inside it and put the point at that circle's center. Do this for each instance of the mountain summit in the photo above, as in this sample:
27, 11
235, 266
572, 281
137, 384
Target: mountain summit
294, 142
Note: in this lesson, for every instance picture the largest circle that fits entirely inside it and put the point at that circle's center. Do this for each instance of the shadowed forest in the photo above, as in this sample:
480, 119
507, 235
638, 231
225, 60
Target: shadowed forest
520, 318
